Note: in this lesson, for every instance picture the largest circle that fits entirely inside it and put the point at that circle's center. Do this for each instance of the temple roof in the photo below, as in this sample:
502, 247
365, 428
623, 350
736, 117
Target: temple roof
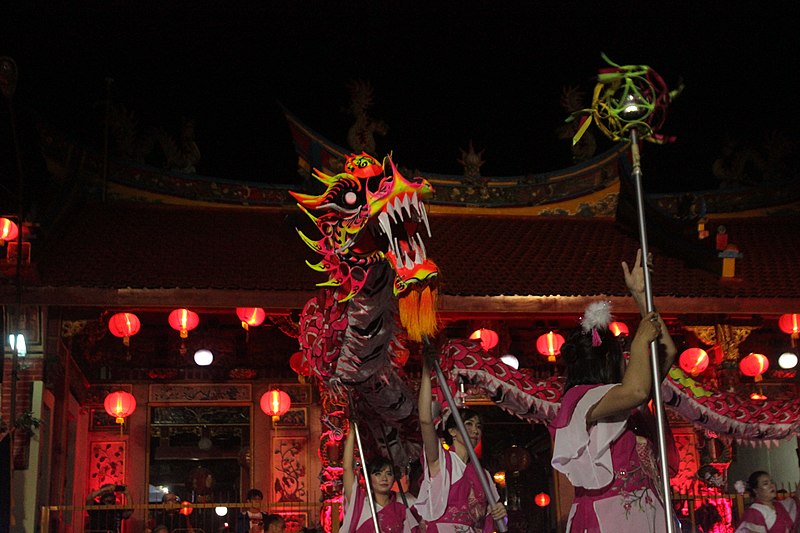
147, 254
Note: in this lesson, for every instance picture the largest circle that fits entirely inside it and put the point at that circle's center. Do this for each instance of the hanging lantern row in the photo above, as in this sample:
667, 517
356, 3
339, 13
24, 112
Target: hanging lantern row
488, 338
126, 325
8, 230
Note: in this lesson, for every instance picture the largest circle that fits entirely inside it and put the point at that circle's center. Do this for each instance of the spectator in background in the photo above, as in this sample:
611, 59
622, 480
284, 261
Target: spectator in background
253, 519
107, 520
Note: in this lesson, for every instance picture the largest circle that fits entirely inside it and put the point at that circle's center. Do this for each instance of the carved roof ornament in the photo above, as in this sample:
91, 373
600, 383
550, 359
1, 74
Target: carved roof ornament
472, 163
361, 135
727, 337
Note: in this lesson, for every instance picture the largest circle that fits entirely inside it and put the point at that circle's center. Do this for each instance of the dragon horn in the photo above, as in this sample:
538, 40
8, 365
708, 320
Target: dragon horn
319, 267
326, 179
305, 200
311, 243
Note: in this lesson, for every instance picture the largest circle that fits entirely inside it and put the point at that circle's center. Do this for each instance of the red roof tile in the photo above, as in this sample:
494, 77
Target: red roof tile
143, 246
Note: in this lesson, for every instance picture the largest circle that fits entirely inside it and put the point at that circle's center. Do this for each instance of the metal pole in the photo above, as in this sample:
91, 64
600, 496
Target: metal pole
391, 458
648, 290
473, 457
366, 479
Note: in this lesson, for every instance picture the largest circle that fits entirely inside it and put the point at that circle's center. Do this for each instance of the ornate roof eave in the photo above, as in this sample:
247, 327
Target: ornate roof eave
450, 305
568, 191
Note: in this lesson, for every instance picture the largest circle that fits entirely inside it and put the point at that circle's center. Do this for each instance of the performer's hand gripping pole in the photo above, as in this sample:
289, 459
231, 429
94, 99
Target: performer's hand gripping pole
367, 483
500, 525
659, 407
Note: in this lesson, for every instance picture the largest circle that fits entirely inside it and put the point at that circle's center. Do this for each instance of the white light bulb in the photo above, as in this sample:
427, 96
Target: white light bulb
511, 360
221, 511
787, 360
203, 357
18, 340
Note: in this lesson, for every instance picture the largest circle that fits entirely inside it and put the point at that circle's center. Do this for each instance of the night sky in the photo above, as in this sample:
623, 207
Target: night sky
443, 73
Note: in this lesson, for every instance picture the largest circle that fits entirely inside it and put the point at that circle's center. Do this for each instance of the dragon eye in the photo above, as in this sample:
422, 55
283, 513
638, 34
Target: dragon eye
350, 198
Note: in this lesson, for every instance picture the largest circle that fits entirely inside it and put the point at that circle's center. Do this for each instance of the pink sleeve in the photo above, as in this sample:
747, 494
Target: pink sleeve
752, 522
583, 452
351, 514
434, 492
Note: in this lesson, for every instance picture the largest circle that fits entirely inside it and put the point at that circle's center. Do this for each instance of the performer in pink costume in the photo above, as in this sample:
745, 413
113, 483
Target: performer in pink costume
393, 516
766, 514
451, 498
603, 433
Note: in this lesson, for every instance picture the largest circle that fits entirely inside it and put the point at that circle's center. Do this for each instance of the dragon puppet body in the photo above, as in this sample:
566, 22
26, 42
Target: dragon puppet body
381, 293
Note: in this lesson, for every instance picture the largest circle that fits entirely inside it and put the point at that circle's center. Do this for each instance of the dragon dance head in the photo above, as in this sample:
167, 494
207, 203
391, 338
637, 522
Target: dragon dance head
368, 217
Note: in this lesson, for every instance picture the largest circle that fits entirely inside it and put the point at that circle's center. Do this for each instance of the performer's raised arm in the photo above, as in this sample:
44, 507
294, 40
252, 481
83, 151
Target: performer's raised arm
430, 440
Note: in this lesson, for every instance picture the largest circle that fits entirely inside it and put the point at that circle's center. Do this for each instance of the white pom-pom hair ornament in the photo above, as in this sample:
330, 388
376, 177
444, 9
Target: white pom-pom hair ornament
596, 316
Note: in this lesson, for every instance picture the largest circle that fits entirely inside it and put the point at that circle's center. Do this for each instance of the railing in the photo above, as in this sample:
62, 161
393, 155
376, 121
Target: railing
709, 512
179, 518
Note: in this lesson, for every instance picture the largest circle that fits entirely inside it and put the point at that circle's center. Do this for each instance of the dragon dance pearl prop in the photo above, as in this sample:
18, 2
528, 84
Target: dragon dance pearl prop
630, 103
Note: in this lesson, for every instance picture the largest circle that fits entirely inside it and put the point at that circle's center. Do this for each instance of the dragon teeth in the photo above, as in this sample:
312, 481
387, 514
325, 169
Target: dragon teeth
407, 206
383, 220
409, 264
424, 215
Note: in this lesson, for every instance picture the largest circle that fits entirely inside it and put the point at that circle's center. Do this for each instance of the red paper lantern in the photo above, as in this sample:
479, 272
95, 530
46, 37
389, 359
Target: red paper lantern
250, 316
184, 321
694, 361
186, 508
487, 337
275, 403
124, 325
790, 324
549, 345
8, 230
618, 328
120, 404
754, 365
298, 363
542, 499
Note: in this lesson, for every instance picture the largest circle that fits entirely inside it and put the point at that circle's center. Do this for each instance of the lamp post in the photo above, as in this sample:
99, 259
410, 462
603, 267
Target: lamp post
8, 85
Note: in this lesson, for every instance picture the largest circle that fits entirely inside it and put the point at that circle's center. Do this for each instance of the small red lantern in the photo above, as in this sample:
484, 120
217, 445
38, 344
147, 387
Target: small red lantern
124, 325
184, 321
275, 403
549, 345
250, 316
120, 404
618, 328
487, 337
186, 508
298, 363
8, 230
694, 361
790, 324
542, 499
754, 365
